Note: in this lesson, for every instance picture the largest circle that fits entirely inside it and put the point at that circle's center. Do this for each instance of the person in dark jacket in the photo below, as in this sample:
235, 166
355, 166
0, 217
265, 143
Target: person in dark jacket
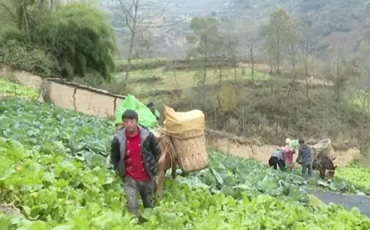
305, 158
278, 159
154, 111
135, 152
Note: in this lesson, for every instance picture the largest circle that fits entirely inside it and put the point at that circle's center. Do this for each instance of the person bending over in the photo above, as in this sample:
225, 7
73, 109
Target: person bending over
278, 159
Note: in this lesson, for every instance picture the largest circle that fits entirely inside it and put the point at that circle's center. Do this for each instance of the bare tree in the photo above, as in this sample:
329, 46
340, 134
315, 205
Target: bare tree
232, 43
361, 80
280, 32
251, 46
138, 16
144, 45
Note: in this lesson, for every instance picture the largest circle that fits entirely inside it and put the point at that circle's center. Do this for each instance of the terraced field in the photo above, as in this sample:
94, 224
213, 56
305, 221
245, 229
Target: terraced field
53, 169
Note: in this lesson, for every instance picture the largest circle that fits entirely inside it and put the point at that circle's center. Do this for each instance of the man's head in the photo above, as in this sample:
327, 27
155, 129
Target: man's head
130, 119
301, 141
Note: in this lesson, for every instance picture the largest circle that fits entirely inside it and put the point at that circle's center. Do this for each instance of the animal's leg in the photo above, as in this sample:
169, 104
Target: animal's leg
174, 168
322, 173
160, 174
160, 182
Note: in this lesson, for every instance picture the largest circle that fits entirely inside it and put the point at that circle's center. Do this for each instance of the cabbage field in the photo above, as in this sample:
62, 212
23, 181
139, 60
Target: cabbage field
53, 168
359, 176
10, 89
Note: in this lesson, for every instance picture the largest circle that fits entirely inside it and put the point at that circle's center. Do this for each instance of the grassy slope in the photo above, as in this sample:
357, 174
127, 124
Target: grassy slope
165, 80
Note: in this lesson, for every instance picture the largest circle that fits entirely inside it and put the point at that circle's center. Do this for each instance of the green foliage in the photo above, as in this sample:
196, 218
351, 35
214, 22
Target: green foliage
51, 128
206, 35
141, 64
25, 56
281, 31
55, 192
357, 175
77, 35
10, 89
274, 109
56, 189
70, 40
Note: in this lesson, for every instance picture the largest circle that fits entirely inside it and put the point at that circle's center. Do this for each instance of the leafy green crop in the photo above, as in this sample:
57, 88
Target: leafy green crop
50, 128
53, 167
232, 176
87, 139
57, 192
357, 175
10, 89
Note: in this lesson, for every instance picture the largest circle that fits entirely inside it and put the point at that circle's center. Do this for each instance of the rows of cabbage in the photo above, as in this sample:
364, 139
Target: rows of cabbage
56, 191
358, 175
11, 89
87, 139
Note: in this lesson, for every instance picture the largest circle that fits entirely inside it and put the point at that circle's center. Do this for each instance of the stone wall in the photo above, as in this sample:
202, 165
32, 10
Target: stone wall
68, 95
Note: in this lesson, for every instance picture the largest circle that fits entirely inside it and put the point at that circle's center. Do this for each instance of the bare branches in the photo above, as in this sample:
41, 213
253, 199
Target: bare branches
138, 16
133, 12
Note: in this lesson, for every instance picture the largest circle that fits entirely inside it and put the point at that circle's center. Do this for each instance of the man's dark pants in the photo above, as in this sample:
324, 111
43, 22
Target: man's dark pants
132, 190
307, 166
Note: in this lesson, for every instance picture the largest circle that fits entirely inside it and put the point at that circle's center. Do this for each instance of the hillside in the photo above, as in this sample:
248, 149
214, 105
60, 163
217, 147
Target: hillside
55, 176
332, 23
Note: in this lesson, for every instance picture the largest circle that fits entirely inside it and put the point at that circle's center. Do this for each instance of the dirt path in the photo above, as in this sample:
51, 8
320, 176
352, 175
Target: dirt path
348, 201
262, 153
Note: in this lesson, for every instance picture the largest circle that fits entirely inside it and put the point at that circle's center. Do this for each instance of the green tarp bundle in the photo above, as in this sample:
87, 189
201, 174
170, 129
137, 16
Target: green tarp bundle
146, 117
293, 144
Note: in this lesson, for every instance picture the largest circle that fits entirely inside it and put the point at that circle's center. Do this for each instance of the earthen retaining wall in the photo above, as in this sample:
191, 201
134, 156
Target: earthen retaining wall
68, 95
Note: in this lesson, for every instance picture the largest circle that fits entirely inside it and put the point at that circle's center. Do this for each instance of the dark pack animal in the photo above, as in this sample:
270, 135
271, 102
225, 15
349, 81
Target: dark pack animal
325, 166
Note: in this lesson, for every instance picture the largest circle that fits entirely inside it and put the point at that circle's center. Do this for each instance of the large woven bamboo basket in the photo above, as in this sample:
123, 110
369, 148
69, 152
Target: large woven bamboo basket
324, 147
191, 150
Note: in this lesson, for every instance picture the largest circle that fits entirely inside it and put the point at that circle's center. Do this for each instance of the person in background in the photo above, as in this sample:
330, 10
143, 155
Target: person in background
289, 154
305, 158
154, 111
135, 152
278, 159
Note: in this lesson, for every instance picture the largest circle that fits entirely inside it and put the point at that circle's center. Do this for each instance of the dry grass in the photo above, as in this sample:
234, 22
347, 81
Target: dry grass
143, 81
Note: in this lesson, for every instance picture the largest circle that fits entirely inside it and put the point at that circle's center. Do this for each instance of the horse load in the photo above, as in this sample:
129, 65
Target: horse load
182, 143
324, 147
323, 155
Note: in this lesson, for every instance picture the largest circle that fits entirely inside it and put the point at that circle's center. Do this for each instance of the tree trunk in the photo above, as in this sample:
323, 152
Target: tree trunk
174, 74
131, 47
205, 62
26, 21
220, 73
252, 60
278, 64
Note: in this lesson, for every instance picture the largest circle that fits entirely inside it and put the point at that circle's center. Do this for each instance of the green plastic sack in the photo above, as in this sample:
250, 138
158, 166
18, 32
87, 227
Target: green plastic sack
146, 117
293, 144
